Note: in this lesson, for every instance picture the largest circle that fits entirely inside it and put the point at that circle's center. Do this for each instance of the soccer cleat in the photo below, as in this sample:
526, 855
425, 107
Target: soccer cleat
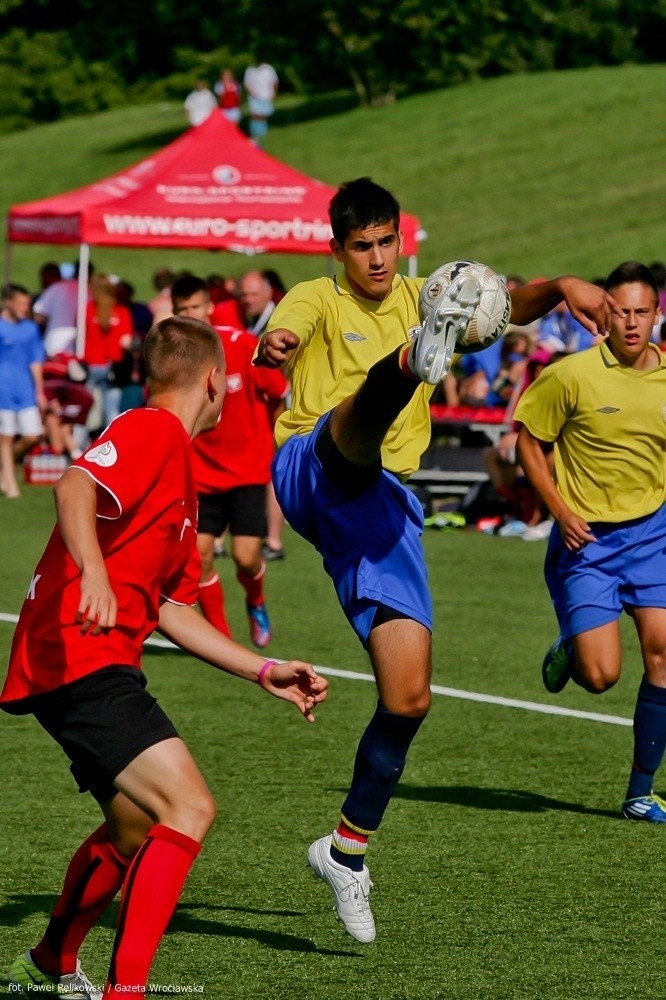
431, 353
260, 626
648, 807
557, 665
269, 554
25, 977
350, 888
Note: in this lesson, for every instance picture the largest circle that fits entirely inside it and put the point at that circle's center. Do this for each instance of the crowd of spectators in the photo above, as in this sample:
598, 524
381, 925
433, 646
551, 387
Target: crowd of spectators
59, 390
57, 394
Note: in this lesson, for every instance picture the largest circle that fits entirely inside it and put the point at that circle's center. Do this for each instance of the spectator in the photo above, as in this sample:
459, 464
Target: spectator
277, 284
160, 305
232, 467
56, 312
228, 91
108, 331
261, 84
142, 316
21, 385
199, 103
256, 301
68, 404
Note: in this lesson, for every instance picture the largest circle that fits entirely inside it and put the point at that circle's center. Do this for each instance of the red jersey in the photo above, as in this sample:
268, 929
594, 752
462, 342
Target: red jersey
146, 525
102, 346
239, 451
227, 313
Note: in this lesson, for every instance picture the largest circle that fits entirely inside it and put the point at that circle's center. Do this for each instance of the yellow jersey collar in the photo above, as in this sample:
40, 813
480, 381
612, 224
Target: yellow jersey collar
611, 361
343, 287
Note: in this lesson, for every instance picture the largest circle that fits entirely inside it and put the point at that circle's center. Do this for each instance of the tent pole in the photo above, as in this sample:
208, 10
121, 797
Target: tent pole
8, 263
84, 266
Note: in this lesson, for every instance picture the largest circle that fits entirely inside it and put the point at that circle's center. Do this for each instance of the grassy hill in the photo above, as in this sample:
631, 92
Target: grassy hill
540, 174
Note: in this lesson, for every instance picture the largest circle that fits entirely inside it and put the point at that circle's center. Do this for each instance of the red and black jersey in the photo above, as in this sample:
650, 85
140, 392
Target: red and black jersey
239, 451
146, 525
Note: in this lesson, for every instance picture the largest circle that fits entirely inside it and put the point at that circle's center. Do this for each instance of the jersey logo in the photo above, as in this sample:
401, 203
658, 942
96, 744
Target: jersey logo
104, 455
608, 409
234, 382
33, 584
355, 337
186, 524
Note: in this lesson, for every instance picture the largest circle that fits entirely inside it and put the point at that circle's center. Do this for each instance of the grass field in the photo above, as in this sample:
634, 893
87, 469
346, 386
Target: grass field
544, 173
501, 871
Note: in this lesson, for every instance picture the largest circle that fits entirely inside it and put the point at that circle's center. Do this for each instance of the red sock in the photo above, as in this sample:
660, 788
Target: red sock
211, 602
253, 586
152, 887
94, 876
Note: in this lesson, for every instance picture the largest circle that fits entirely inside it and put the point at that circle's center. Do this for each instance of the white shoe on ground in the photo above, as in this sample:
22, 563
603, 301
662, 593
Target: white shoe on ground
350, 888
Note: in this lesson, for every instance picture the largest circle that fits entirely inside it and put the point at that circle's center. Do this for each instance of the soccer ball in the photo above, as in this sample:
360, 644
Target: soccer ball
491, 316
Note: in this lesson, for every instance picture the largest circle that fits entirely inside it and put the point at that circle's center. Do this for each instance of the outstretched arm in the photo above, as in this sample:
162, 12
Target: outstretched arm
589, 304
574, 529
292, 681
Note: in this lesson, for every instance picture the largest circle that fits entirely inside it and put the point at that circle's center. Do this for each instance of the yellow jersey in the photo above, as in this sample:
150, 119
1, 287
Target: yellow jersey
341, 336
608, 425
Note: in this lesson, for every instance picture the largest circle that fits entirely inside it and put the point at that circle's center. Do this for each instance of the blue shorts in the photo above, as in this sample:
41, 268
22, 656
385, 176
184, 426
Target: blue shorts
370, 544
624, 568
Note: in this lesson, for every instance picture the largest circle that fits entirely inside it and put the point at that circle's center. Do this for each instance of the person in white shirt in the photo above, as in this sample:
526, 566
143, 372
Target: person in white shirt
261, 84
199, 103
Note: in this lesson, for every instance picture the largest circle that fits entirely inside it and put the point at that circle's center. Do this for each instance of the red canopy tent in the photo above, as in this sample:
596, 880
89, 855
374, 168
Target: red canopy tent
209, 189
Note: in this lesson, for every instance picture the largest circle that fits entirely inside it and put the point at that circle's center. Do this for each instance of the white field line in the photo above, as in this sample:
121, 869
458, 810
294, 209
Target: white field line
447, 692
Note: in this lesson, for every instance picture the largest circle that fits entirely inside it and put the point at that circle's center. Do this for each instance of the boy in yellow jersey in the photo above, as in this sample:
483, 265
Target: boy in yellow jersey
358, 424
605, 411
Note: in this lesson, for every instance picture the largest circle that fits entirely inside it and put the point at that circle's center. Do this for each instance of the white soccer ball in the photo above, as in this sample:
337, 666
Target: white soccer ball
491, 316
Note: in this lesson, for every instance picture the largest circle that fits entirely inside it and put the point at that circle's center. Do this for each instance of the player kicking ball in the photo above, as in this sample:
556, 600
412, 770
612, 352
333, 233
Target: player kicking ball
358, 424
603, 409
122, 561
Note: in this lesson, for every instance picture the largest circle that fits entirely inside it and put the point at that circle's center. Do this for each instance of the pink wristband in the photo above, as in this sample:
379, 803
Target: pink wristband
260, 675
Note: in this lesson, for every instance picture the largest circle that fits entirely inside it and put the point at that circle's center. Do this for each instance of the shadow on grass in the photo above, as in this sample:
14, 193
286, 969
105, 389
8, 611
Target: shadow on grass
500, 799
186, 920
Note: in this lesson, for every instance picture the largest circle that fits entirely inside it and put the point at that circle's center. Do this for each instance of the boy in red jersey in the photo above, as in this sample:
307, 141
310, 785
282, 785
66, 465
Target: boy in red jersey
122, 560
232, 466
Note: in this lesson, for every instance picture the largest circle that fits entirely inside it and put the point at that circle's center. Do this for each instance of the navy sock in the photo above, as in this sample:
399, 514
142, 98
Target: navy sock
649, 738
385, 392
380, 760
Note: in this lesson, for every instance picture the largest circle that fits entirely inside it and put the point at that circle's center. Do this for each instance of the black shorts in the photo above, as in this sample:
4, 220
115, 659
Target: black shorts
103, 722
241, 510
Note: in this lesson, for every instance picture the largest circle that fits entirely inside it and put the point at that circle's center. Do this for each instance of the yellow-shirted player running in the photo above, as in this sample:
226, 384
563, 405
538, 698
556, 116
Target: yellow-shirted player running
605, 411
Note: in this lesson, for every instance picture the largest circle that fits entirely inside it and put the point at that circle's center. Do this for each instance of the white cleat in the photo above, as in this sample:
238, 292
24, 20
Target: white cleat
432, 352
350, 888
25, 977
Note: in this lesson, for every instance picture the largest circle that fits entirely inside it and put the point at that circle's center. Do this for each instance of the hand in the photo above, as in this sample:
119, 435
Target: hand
275, 347
98, 606
589, 304
575, 531
296, 682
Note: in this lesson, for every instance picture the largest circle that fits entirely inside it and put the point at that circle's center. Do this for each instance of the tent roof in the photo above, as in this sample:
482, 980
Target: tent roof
210, 189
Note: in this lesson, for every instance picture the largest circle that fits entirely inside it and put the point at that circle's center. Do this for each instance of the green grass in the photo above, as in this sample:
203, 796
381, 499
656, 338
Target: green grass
502, 869
540, 174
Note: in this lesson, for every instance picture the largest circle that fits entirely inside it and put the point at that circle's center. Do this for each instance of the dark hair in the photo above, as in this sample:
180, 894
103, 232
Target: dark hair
359, 204
10, 290
659, 271
631, 272
188, 285
178, 349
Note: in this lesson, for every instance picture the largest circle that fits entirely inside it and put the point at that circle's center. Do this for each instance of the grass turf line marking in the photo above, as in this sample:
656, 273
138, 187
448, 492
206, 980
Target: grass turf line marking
446, 692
